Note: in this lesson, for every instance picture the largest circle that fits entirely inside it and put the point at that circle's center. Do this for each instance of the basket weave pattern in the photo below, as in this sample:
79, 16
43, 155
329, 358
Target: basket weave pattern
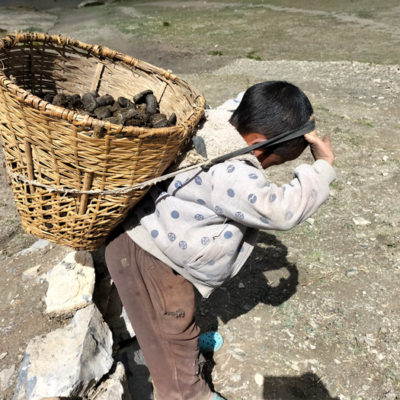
63, 149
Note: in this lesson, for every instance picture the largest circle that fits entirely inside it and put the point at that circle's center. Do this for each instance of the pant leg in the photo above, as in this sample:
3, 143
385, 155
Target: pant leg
160, 305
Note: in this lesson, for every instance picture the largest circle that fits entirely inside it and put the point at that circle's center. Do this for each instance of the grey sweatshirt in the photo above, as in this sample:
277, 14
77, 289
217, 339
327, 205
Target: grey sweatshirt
204, 223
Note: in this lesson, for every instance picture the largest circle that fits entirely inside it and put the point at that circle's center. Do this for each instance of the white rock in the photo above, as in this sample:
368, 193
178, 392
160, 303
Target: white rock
3, 355
259, 379
235, 377
30, 273
114, 388
71, 284
67, 361
359, 221
88, 3
38, 245
5, 377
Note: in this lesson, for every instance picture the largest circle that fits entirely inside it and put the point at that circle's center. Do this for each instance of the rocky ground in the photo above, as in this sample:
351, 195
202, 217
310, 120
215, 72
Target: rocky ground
314, 315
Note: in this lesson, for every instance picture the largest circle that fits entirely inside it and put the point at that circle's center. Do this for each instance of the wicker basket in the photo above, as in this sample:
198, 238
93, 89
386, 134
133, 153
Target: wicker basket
68, 181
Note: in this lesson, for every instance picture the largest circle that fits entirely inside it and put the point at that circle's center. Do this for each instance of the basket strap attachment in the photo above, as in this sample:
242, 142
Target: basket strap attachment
98, 74
87, 180
88, 177
29, 163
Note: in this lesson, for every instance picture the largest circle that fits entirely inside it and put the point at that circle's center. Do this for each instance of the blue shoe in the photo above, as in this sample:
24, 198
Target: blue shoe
217, 397
210, 341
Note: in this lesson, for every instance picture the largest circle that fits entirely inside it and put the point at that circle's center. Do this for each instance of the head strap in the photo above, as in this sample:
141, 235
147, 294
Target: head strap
308, 127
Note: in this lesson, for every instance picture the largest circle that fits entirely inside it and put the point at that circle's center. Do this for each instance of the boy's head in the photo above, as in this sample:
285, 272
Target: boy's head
269, 109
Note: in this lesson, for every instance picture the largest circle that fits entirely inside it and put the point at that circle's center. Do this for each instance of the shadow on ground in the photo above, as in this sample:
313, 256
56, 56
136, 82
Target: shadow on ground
304, 387
251, 286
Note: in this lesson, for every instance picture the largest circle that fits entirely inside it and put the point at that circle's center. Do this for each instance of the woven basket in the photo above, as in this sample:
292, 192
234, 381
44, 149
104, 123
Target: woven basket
69, 182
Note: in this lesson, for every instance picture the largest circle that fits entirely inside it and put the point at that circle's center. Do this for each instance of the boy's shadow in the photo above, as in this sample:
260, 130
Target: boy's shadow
251, 286
305, 387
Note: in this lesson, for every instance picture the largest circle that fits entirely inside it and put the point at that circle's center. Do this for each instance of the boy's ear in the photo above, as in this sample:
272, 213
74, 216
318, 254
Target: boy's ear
253, 138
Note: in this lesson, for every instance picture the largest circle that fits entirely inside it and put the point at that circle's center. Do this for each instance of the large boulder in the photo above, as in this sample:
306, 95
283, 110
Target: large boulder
67, 361
71, 284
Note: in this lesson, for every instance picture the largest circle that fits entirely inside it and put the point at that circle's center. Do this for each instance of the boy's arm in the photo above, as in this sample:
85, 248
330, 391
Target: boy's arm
242, 193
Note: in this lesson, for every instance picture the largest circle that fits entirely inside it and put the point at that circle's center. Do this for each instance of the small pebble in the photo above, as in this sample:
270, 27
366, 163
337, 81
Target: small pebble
241, 285
236, 377
259, 379
3, 355
359, 221
351, 272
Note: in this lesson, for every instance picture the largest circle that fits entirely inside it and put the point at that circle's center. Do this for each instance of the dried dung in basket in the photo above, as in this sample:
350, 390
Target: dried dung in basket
69, 169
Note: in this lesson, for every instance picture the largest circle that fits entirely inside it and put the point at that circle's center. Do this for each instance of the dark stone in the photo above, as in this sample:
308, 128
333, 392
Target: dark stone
106, 100
115, 107
141, 97
113, 120
123, 102
199, 145
49, 97
135, 121
60, 100
89, 102
172, 119
151, 104
75, 101
102, 112
158, 120
127, 113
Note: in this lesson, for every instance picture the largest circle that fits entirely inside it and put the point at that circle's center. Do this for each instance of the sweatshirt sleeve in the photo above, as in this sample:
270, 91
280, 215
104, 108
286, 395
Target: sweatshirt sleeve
242, 193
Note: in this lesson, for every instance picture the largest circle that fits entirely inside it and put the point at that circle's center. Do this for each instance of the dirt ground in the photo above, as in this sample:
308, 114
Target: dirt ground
315, 312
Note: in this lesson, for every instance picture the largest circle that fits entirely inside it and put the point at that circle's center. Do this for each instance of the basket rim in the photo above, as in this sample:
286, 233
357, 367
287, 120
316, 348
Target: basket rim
10, 40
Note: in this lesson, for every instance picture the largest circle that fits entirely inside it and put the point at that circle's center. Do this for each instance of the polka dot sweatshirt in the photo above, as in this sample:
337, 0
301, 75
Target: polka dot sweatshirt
201, 220
204, 224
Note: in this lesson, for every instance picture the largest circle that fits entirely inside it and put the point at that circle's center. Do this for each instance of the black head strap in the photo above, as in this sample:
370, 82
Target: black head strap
308, 127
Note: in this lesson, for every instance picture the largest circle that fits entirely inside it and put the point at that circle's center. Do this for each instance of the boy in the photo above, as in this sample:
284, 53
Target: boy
200, 228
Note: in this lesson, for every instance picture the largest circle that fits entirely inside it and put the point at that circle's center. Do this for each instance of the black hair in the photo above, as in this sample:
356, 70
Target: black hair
271, 108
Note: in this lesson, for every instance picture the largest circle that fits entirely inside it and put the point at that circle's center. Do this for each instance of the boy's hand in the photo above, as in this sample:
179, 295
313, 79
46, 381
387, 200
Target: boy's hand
321, 149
